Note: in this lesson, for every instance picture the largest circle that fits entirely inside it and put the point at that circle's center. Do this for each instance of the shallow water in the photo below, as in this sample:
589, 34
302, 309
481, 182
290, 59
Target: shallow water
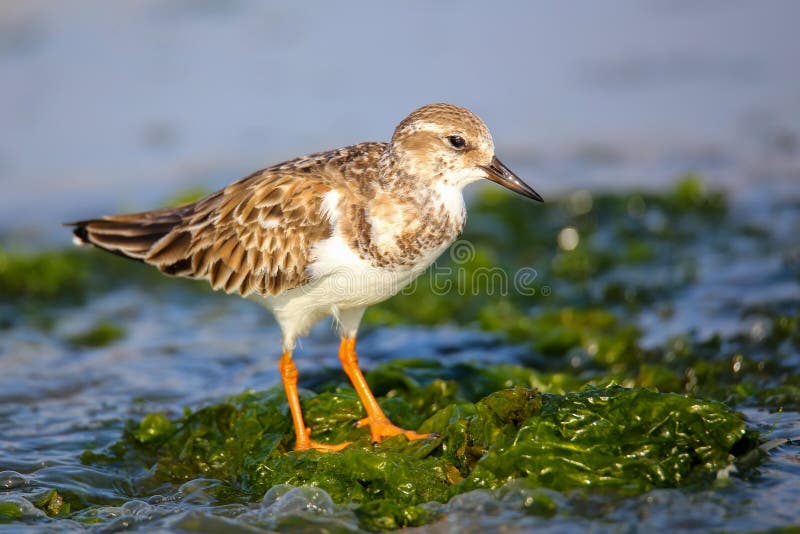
185, 348
112, 108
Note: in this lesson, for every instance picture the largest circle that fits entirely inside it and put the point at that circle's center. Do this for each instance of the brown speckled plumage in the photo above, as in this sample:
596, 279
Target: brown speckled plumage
256, 235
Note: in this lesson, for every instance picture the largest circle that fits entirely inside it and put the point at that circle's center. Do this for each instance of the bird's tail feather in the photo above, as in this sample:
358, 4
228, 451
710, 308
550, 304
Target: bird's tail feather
135, 236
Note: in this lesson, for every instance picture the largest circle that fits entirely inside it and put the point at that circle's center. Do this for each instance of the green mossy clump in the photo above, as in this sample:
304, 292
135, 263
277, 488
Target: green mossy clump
45, 275
10, 511
626, 440
101, 334
52, 503
632, 440
49, 501
65, 277
598, 332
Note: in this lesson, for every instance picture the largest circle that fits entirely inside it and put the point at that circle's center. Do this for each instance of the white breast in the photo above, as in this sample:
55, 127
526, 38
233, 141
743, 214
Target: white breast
341, 281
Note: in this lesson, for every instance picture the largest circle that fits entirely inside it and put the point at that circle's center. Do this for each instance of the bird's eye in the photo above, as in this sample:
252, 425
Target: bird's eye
456, 141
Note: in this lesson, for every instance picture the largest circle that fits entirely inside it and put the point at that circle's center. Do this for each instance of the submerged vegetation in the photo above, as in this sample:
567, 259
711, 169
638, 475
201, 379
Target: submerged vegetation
627, 440
616, 389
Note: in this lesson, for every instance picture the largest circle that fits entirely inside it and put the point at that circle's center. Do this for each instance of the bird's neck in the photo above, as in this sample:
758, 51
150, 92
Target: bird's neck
409, 219
420, 184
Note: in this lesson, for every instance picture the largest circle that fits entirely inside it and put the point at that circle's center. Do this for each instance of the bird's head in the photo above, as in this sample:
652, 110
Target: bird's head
448, 144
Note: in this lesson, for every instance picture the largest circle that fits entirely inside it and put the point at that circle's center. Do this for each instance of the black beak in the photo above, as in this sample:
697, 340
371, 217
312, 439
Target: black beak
499, 173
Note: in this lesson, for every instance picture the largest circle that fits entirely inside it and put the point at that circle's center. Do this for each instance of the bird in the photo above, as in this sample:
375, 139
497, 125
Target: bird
327, 234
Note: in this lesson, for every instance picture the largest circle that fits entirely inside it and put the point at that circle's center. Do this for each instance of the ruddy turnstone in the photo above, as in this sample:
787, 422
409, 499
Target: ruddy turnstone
326, 234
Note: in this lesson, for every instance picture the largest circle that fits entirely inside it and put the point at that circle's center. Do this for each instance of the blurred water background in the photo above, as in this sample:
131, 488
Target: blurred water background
113, 105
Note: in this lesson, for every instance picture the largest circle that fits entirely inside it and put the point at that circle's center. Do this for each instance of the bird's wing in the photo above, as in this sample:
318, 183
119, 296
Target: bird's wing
254, 236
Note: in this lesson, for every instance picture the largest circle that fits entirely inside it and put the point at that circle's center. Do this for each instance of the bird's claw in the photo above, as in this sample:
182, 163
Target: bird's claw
383, 428
305, 443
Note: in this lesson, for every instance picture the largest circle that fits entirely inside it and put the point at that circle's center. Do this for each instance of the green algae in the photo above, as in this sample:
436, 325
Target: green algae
52, 503
598, 332
10, 511
65, 276
620, 439
100, 335
49, 501
631, 440
44, 275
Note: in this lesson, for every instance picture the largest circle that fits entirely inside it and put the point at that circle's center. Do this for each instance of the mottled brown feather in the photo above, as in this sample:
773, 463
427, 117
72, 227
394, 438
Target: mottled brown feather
257, 235
254, 236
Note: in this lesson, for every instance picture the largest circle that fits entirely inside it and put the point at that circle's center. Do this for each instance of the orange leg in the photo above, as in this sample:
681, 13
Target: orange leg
379, 424
303, 433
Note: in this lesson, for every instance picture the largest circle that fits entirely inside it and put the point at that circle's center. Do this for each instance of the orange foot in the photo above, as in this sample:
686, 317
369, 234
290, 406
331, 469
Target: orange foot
383, 428
305, 443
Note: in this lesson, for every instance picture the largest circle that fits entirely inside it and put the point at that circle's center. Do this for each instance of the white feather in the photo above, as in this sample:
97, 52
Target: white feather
330, 206
452, 198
